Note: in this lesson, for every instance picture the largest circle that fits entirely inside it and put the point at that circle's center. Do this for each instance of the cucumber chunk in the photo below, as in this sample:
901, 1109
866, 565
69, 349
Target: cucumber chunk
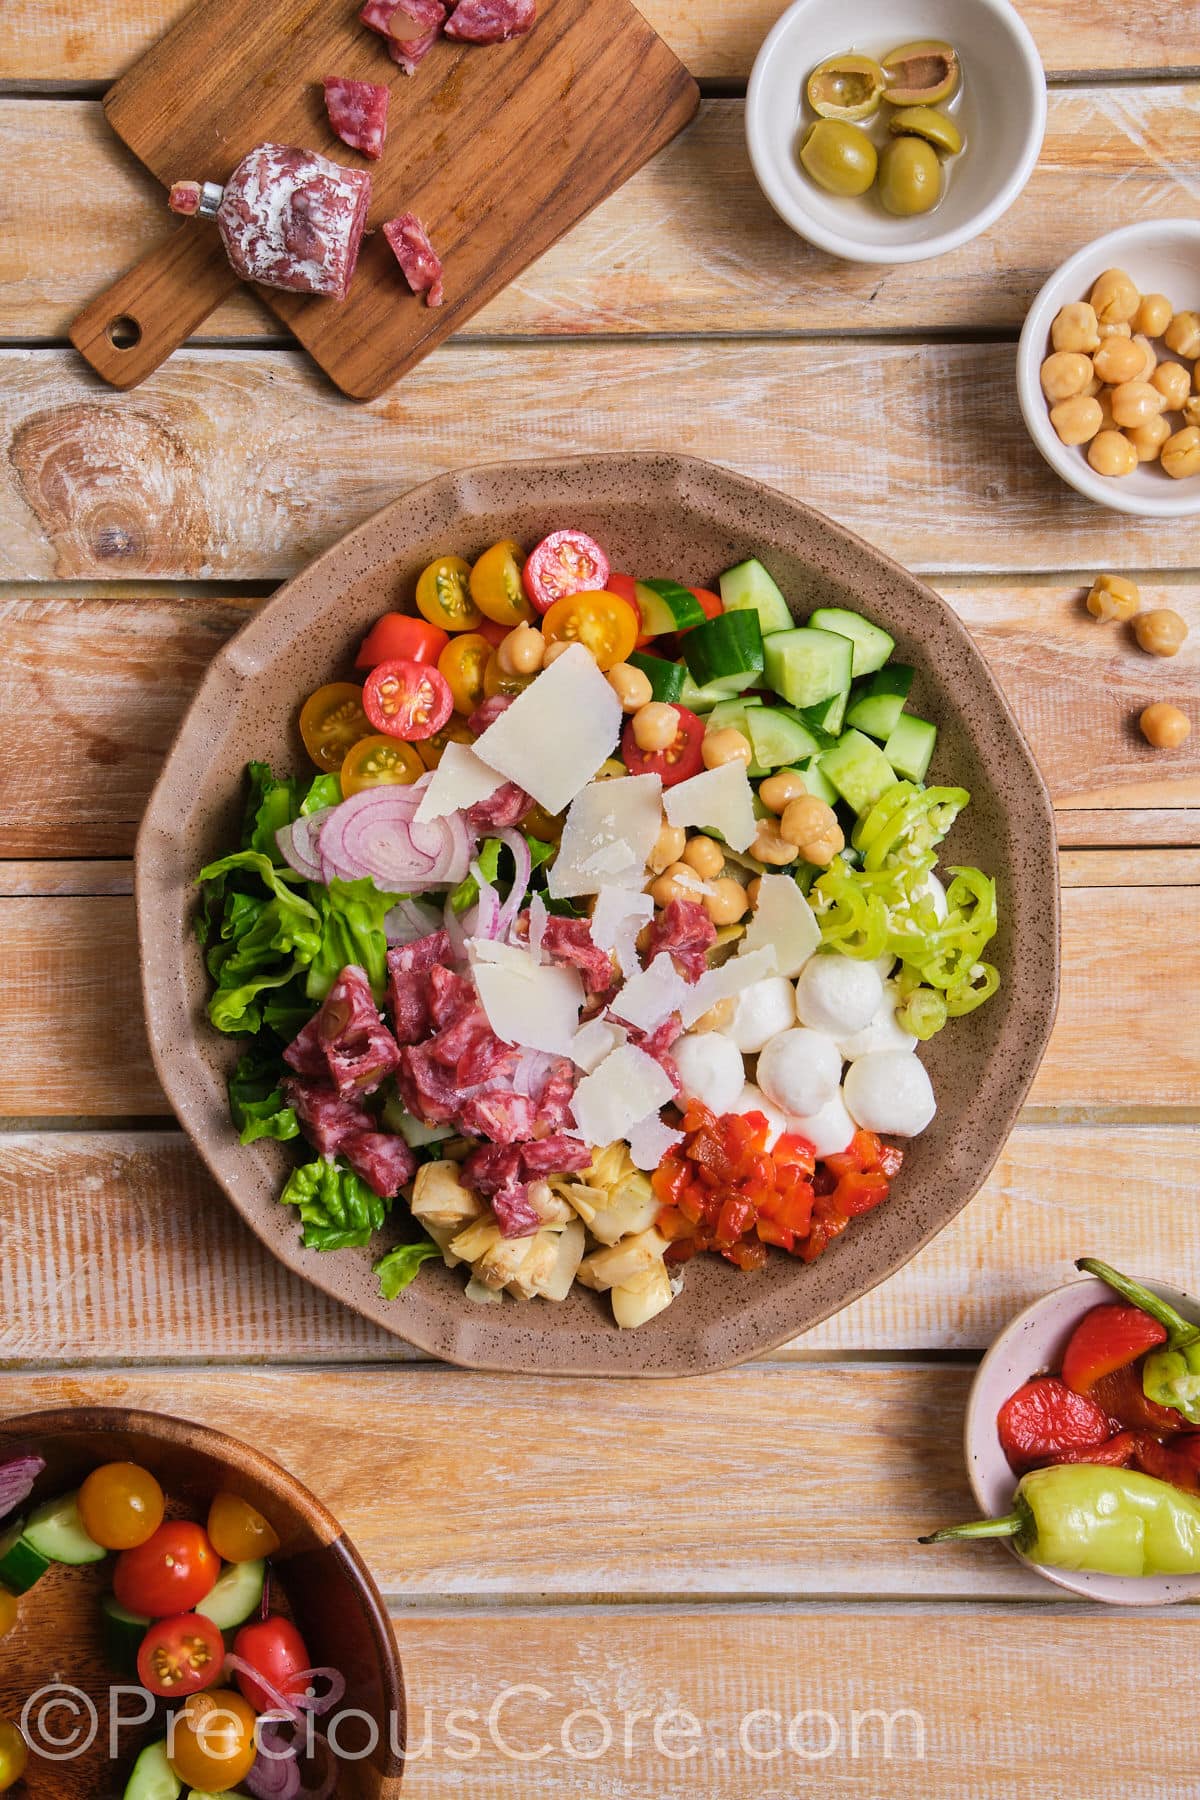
910, 747
666, 606
877, 708
826, 719
872, 646
702, 699
724, 648
122, 1632
152, 1777
778, 738
818, 784
237, 1594
56, 1532
806, 666
20, 1564
858, 769
665, 678
748, 588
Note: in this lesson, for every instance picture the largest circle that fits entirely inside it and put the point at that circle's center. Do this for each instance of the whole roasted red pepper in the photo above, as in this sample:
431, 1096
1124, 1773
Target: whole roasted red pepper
1121, 1396
1107, 1339
1044, 1419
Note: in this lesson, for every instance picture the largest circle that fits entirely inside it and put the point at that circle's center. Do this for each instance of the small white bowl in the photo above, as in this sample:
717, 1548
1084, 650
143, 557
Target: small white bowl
1001, 111
1163, 257
1034, 1345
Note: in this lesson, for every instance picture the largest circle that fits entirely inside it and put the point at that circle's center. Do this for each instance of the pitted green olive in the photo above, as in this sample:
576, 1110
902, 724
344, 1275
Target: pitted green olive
921, 74
846, 87
925, 122
840, 157
910, 177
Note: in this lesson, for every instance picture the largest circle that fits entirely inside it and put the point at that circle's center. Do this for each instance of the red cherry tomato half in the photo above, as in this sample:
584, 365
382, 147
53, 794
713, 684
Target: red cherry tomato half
493, 632
181, 1655
566, 562
712, 603
276, 1650
170, 1573
626, 587
678, 762
398, 637
405, 699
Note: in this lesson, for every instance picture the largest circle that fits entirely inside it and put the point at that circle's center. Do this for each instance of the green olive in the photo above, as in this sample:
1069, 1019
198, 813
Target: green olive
910, 177
846, 87
840, 158
925, 122
921, 74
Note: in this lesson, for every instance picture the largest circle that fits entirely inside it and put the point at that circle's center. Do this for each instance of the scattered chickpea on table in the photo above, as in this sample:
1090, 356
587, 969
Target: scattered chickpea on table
1160, 632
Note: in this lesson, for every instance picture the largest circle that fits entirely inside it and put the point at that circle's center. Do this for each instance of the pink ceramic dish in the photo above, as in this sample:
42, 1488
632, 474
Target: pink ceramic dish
660, 515
1033, 1345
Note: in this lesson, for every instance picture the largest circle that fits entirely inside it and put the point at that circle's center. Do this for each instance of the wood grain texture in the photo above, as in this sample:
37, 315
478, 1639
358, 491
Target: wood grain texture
689, 244
43, 45
242, 464
119, 1248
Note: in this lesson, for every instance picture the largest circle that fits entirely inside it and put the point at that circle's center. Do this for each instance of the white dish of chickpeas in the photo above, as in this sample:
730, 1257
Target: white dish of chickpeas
1108, 370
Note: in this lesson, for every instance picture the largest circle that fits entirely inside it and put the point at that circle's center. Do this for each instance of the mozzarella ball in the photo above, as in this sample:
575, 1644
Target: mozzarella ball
889, 1091
883, 1033
828, 1131
837, 994
800, 1070
754, 1100
763, 1009
885, 964
933, 890
711, 1069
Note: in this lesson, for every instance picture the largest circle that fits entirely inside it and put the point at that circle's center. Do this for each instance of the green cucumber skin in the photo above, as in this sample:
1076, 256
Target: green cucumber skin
872, 645
725, 648
21, 1566
666, 606
665, 678
237, 1594
123, 1634
749, 588
910, 746
55, 1531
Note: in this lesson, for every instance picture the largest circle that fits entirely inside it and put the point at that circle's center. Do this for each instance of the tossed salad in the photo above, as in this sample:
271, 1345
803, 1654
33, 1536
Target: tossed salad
605, 935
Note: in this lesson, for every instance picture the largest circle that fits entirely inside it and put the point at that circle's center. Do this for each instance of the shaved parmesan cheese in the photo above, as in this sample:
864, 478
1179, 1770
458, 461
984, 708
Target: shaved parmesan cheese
460, 780
556, 734
608, 1103
594, 1041
532, 1004
609, 832
538, 915
784, 919
617, 917
719, 800
722, 984
652, 996
495, 950
649, 1141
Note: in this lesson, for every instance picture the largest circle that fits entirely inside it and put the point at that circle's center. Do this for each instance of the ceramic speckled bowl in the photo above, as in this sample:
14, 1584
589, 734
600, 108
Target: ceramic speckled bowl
655, 514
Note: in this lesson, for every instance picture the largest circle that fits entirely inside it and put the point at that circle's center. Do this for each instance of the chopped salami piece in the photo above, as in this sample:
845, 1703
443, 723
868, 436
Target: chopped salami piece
294, 220
515, 1215
554, 1101
489, 1167
449, 995
428, 1089
409, 987
306, 1053
487, 1059
487, 712
570, 941
687, 934
403, 20
559, 1154
490, 21
358, 113
184, 198
325, 1118
385, 1162
410, 54
507, 806
504, 1118
358, 1046
419, 262
657, 1043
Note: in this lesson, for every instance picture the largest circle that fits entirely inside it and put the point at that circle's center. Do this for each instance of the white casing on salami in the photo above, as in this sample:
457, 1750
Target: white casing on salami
290, 218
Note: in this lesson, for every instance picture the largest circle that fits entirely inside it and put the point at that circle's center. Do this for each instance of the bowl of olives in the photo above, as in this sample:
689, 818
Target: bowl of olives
897, 130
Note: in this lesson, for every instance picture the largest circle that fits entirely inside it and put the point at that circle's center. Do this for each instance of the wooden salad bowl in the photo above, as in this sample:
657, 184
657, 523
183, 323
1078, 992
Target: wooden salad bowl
657, 515
328, 1588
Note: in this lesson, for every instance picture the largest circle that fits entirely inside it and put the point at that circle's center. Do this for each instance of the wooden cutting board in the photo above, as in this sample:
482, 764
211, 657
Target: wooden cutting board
498, 149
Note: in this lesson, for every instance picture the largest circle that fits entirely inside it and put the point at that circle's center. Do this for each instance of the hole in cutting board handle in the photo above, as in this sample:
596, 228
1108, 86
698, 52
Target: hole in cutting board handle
123, 333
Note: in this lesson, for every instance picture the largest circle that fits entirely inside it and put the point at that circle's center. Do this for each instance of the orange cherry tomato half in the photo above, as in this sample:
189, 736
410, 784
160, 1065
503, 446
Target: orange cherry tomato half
566, 562
454, 731
180, 1656
14, 1755
210, 1744
496, 586
380, 762
407, 700
444, 595
10, 1612
463, 662
603, 623
400, 635
238, 1532
331, 722
170, 1573
121, 1505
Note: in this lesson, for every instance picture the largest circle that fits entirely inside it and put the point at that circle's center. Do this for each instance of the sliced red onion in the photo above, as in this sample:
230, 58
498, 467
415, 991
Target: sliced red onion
289, 1707
454, 931
298, 844
276, 1773
538, 917
532, 1072
523, 859
17, 1478
320, 1703
410, 920
486, 922
375, 834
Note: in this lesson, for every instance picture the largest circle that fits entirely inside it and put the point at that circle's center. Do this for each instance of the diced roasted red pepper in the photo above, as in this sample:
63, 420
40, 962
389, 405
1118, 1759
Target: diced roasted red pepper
1120, 1394
1044, 1418
1118, 1453
858, 1193
1105, 1339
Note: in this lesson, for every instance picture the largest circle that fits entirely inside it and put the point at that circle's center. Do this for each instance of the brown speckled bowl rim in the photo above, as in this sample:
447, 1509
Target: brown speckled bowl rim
722, 1317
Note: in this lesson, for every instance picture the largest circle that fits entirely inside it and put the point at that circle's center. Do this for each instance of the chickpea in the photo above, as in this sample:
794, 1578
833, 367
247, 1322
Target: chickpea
670, 887
770, 845
1118, 359
717, 1018
727, 903
558, 648
1183, 335
1122, 328
721, 747
1104, 401
777, 791
631, 686
1114, 297
1153, 315
1111, 454
1078, 419
754, 889
1063, 374
1114, 597
1148, 439
669, 846
1173, 383
1136, 402
523, 651
1075, 328
1160, 632
1166, 727
1181, 453
655, 726
704, 855
1191, 411
813, 827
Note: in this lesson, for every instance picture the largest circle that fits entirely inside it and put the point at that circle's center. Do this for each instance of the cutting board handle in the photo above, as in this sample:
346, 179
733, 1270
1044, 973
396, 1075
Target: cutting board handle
136, 323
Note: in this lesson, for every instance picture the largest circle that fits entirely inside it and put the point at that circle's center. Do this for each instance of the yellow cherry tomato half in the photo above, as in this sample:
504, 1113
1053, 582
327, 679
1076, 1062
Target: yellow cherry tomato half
10, 1612
14, 1755
211, 1746
603, 623
496, 585
463, 662
444, 595
331, 722
237, 1531
454, 731
121, 1506
499, 680
380, 762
